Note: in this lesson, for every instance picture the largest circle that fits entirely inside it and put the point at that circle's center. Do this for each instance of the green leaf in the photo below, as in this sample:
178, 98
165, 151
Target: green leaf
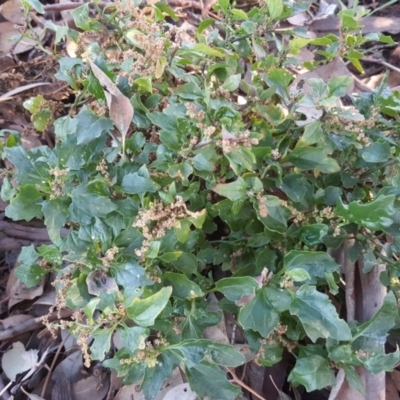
33, 165
378, 152
258, 315
55, 215
7, 190
234, 288
84, 202
83, 20
236, 190
154, 376
354, 379
239, 14
207, 380
183, 288
134, 183
280, 299
193, 351
313, 372
132, 275
298, 274
101, 344
318, 315
275, 8
232, 83
276, 220
317, 264
133, 338
313, 133
35, 4
90, 126
382, 321
374, 215
306, 158
164, 8
339, 84
30, 275
27, 204
166, 122
224, 4
379, 362
209, 51
145, 311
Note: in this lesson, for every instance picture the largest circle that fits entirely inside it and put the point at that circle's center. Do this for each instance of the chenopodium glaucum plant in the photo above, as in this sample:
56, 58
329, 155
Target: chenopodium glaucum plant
213, 184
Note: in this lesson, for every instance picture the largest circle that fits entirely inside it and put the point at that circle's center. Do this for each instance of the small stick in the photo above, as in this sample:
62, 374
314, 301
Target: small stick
243, 385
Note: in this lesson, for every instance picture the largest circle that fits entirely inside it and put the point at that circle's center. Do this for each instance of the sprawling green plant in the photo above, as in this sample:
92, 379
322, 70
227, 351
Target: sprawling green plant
224, 170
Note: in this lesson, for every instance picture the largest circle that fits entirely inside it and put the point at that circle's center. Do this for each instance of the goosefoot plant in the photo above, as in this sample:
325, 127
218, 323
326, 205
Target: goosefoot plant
189, 166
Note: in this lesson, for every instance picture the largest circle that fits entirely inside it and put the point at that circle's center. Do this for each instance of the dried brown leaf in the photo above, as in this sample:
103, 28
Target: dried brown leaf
18, 291
71, 367
120, 108
91, 388
9, 35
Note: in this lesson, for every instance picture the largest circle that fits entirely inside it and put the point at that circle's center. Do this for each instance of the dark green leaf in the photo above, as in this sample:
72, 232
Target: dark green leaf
101, 343
313, 372
375, 215
234, 288
133, 338
84, 202
55, 215
183, 288
154, 376
258, 315
353, 379
233, 191
132, 275
134, 183
207, 380
90, 126
27, 204
318, 315
317, 264
377, 152
30, 274
306, 158
382, 321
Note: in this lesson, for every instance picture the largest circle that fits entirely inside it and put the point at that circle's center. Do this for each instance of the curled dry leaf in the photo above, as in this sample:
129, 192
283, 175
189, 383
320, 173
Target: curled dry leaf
13, 11
120, 108
180, 392
11, 93
9, 36
325, 72
98, 282
18, 291
93, 387
130, 392
14, 320
28, 360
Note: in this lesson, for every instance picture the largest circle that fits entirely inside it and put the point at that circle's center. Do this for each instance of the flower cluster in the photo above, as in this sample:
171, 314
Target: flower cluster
109, 256
231, 142
160, 217
57, 183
